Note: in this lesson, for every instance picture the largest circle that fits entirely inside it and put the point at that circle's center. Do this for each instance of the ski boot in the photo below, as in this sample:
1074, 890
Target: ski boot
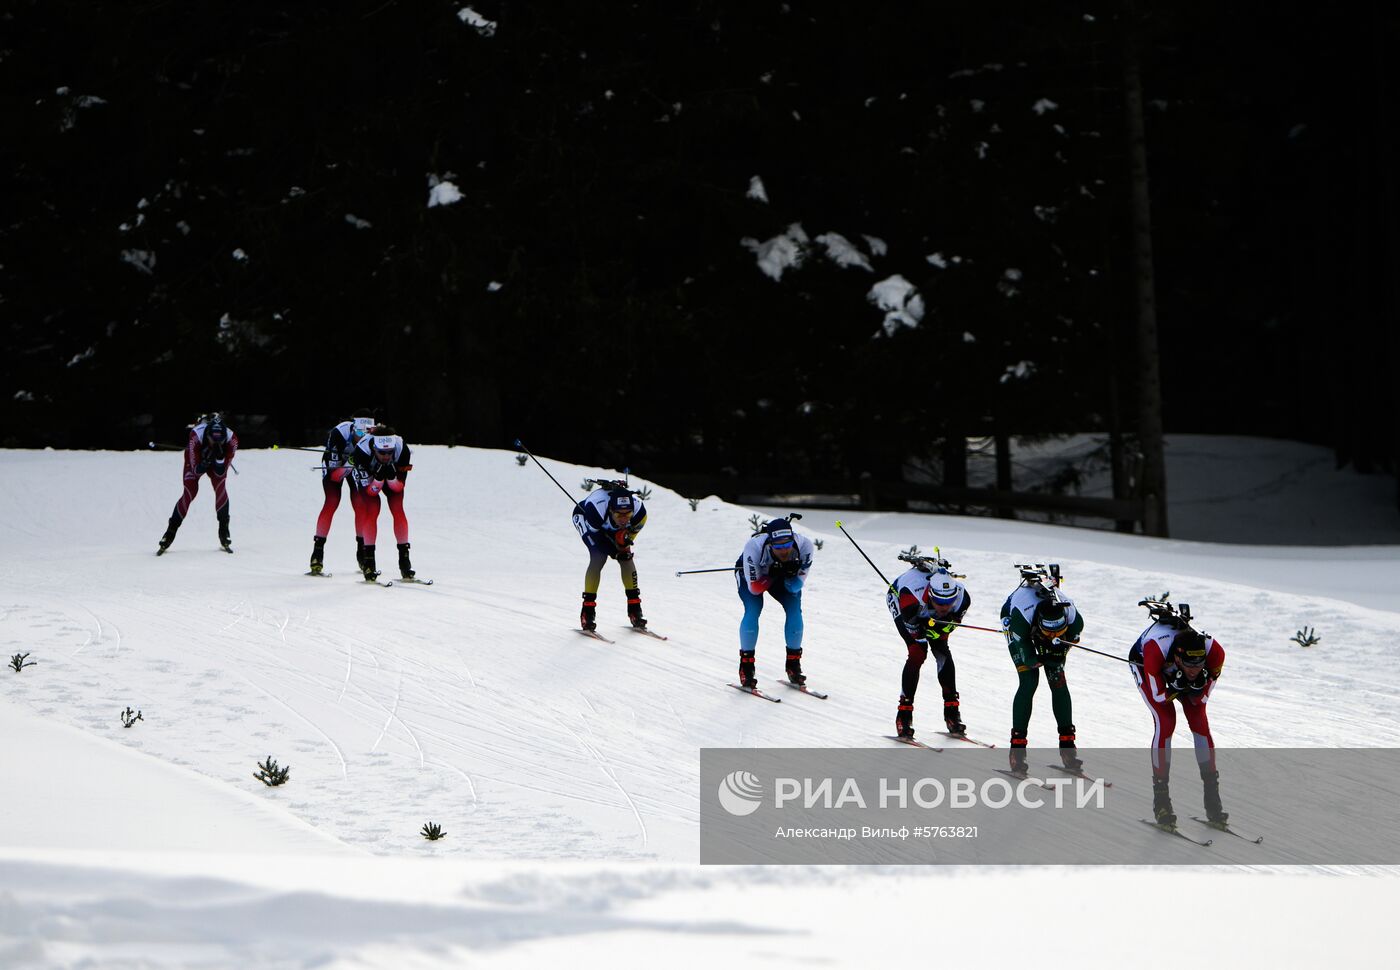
794, 668
634, 608
405, 567
746, 668
904, 718
1069, 756
1162, 812
952, 717
1215, 813
224, 541
367, 565
360, 553
587, 617
169, 537
318, 555
1017, 754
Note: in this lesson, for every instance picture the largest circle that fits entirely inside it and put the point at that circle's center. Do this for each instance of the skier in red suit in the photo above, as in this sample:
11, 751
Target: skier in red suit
382, 461
209, 451
1172, 664
335, 469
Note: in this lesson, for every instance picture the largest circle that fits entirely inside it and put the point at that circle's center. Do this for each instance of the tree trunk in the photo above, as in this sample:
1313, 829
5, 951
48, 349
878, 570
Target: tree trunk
1003, 453
1149, 378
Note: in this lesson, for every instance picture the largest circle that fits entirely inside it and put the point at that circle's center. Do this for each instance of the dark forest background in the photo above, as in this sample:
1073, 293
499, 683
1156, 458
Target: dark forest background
225, 206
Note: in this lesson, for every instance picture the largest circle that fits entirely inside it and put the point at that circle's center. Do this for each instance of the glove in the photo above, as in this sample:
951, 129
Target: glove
792, 584
201, 468
938, 629
218, 470
381, 471
1053, 649
1177, 681
624, 554
785, 569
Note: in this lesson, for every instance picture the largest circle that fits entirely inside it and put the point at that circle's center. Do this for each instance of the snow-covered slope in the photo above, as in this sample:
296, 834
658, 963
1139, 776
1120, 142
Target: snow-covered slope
473, 704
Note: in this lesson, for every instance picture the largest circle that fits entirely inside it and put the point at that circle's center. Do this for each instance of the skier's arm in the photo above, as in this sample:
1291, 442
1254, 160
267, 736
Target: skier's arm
192, 455
910, 614
231, 448
754, 574
638, 522
1152, 674
1215, 660
1215, 663
405, 463
1076, 627
1019, 627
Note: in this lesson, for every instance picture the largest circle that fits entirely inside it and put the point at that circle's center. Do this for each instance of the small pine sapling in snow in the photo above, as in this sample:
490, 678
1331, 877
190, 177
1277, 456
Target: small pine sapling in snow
433, 831
1307, 637
818, 543
694, 503
271, 775
18, 662
129, 718
521, 459
588, 484
1159, 599
756, 522
911, 551
644, 492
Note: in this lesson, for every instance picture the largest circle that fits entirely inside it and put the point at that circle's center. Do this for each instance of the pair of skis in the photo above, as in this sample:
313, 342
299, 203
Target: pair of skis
164, 549
802, 688
386, 583
947, 734
595, 635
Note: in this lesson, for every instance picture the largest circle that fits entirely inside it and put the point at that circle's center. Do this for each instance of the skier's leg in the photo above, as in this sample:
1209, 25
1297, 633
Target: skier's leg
182, 506
632, 590
393, 492
1205, 760
748, 631
1027, 681
948, 681
1200, 734
792, 621
917, 653
1163, 720
1063, 706
331, 485
592, 576
221, 506
369, 506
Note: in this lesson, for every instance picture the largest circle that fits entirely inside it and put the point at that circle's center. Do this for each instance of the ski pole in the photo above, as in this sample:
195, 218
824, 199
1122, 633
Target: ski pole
1111, 656
159, 446
298, 448
719, 569
862, 553
519, 444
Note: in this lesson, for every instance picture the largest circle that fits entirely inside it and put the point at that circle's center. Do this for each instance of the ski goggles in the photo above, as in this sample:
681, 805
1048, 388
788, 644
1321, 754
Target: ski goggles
784, 547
